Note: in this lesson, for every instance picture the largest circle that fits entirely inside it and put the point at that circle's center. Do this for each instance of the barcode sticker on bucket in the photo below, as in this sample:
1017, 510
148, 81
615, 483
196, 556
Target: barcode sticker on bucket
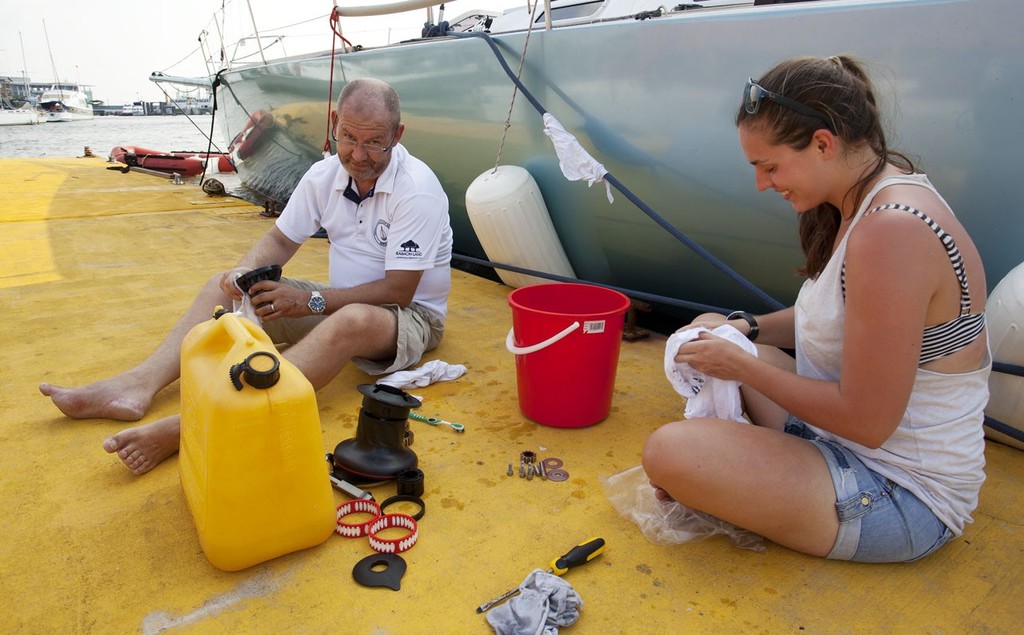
593, 326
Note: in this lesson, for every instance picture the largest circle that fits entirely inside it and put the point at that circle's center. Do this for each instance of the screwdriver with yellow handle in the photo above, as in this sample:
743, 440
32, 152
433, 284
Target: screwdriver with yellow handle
580, 554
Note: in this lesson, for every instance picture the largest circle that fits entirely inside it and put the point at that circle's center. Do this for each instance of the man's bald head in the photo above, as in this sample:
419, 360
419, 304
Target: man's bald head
371, 98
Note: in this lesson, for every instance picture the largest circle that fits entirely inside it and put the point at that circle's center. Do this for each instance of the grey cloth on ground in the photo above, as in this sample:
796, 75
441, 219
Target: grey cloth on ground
545, 602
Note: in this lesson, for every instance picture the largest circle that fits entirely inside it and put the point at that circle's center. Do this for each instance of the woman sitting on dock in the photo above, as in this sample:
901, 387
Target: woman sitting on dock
869, 445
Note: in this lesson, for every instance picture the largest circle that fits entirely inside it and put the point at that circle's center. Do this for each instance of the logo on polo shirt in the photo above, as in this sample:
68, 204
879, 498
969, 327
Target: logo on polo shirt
409, 249
380, 232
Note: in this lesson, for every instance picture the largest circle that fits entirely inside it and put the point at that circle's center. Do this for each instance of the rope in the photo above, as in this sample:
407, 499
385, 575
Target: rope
680, 236
640, 295
209, 137
515, 88
334, 21
1009, 369
209, 140
1004, 428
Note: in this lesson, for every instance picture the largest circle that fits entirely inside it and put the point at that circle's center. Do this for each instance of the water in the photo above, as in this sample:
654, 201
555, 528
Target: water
69, 139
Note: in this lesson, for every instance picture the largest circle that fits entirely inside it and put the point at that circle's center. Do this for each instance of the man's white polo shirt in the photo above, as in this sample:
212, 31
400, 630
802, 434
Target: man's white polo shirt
403, 225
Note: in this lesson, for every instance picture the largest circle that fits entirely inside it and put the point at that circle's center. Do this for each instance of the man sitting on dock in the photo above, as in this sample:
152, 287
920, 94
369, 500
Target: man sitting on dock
386, 216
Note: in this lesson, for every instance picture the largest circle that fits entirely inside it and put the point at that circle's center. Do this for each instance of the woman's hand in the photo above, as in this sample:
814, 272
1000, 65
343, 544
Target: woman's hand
714, 356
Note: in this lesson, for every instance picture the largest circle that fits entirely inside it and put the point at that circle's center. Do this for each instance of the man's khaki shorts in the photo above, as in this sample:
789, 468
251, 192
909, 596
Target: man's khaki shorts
419, 331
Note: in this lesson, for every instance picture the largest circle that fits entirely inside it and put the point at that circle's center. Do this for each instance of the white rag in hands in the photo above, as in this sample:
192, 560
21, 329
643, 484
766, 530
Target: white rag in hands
706, 397
244, 307
425, 375
576, 163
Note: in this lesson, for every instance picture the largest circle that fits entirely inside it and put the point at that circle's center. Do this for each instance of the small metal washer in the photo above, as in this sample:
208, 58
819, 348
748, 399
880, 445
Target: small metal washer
552, 463
557, 475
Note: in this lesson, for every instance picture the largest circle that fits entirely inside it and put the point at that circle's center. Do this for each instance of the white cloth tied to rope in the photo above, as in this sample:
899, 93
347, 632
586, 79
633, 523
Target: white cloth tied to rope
575, 162
706, 397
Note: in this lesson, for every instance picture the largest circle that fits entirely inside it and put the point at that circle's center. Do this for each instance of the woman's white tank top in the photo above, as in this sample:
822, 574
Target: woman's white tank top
938, 450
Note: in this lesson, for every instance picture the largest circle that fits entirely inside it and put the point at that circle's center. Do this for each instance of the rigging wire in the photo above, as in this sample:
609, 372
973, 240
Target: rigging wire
208, 137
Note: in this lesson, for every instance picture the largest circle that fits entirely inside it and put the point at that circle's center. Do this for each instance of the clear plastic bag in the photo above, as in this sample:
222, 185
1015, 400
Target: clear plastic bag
668, 523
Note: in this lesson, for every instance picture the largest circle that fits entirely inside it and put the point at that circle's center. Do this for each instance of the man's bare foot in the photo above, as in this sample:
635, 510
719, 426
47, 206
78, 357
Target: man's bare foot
106, 399
144, 447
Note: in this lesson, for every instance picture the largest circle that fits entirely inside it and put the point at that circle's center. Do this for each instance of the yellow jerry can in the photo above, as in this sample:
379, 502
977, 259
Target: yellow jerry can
252, 456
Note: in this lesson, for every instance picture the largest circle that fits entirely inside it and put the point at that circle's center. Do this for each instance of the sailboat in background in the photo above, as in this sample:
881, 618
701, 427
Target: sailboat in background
11, 116
63, 101
26, 114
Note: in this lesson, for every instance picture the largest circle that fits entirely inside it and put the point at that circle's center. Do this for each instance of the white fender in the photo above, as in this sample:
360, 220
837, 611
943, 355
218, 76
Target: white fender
511, 222
1004, 317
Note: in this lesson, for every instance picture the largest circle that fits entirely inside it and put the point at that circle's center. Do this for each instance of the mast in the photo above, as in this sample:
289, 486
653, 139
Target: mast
24, 69
53, 65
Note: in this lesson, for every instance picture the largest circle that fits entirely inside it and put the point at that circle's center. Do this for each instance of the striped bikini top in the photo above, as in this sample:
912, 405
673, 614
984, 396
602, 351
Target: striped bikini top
940, 340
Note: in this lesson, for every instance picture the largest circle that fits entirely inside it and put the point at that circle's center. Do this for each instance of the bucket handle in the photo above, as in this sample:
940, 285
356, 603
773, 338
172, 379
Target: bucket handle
525, 350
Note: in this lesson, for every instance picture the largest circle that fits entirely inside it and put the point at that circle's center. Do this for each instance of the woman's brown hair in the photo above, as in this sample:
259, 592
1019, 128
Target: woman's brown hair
839, 88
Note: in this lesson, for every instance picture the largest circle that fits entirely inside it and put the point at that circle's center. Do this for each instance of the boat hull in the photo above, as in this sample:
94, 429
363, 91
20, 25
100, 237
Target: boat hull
20, 117
654, 102
67, 115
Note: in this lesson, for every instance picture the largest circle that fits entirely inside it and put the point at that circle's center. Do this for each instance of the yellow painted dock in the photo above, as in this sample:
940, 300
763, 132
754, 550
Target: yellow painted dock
95, 266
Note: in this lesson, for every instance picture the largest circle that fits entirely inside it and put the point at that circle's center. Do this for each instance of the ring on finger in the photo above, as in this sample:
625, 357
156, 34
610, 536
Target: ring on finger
272, 309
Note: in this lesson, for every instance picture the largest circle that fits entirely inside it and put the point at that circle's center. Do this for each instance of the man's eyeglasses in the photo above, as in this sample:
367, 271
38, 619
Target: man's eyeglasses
754, 94
351, 144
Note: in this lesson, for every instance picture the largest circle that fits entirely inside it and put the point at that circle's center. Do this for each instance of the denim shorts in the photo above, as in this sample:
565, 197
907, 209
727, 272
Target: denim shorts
879, 521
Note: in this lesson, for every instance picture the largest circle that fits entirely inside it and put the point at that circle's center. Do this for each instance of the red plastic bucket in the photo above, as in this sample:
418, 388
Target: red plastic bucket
566, 338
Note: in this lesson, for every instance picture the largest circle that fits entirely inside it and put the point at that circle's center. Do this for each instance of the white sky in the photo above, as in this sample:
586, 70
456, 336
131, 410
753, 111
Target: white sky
114, 46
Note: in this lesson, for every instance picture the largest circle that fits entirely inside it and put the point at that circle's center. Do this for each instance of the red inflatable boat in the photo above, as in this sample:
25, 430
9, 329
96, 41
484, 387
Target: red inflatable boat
183, 163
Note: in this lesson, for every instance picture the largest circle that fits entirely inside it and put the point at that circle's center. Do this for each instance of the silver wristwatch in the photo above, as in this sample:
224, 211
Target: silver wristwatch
317, 304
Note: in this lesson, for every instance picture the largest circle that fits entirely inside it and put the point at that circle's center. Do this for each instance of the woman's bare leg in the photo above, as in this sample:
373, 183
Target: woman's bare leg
762, 480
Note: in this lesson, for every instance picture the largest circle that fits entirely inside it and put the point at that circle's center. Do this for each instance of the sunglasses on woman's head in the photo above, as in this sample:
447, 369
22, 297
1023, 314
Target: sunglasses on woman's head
754, 94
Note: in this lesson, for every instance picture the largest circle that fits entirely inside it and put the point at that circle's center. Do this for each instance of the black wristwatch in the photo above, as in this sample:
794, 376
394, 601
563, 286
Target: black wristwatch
754, 328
